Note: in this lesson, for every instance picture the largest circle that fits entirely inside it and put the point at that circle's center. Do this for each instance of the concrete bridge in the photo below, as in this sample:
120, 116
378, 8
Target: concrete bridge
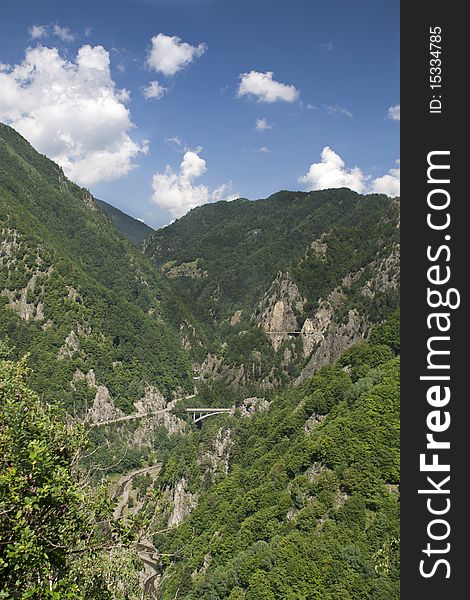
202, 413
198, 415
283, 332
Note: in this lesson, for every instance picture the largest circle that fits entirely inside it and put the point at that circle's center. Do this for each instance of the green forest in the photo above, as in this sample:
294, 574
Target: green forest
283, 310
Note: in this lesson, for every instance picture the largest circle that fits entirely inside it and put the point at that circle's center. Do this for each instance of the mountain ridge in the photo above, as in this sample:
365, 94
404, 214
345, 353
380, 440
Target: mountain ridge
133, 229
292, 494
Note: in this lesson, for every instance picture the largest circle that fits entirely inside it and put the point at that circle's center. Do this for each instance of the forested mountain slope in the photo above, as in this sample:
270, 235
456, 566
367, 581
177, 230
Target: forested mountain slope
99, 322
133, 229
287, 309
296, 500
283, 285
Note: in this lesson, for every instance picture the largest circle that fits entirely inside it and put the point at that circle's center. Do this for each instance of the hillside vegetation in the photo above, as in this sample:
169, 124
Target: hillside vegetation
283, 310
133, 229
324, 264
75, 294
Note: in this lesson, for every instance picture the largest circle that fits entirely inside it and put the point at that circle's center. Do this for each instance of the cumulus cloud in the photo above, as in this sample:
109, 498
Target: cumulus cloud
71, 111
331, 172
169, 54
394, 113
264, 150
178, 193
265, 88
262, 125
154, 90
388, 184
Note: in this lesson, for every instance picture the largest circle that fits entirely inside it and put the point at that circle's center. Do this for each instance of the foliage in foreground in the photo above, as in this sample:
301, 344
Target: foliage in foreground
52, 525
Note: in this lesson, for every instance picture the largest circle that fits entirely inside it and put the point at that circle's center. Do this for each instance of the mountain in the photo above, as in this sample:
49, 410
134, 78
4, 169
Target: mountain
286, 308
283, 285
133, 229
100, 323
306, 502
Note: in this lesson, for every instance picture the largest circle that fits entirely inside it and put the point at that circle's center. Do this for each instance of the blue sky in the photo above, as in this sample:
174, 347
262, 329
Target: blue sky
328, 116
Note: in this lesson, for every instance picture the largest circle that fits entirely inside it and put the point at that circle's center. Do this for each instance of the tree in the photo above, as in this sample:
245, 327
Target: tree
48, 515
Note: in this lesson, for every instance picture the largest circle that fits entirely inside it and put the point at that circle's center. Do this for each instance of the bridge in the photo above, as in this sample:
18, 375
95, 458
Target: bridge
202, 413
284, 332
129, 418
198, 415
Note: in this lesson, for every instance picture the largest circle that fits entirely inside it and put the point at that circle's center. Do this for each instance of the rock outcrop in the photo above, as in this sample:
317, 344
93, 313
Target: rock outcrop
279, 307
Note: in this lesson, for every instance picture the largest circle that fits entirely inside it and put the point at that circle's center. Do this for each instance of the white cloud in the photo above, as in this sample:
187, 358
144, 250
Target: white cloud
174, 140
63, 33
331, 172
262, 125
177, 192
338, 110
40, 31
37, 31
265, 88
154, 90
264, 150
72, 112
394, 113
388, 184
169, 54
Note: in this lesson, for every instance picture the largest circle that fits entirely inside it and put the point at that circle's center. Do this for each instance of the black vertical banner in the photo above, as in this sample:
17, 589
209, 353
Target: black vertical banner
435, 355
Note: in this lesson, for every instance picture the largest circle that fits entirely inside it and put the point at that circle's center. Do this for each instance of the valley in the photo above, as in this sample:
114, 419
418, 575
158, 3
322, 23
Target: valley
234, 381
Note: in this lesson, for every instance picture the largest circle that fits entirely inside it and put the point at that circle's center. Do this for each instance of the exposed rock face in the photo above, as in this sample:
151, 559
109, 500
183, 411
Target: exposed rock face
314, 329
215, 369
250, 406
143, 435
71, 343
9, 244
318, 247
278, 308
11, 247
203, 568
89, 378
70, 346
103, 408
19, 303
323, 338
333, 339
217, 459
312, 422
386, 274
182, 502
89, 201
152, 402
236, 318
189, 336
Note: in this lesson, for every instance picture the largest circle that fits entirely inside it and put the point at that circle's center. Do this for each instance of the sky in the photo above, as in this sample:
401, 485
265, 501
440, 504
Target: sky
158, 106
